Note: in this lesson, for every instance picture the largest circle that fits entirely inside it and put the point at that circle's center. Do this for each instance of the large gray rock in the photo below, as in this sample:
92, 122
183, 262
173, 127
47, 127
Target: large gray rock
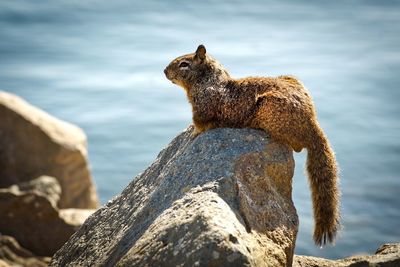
387, 255
33, 143
29, 213
222, 199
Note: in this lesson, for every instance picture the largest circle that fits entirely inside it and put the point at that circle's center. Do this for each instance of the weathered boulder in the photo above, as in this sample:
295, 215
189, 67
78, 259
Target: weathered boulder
33, 143
29, 213
12, 254
222, 199
44, 185
387, 255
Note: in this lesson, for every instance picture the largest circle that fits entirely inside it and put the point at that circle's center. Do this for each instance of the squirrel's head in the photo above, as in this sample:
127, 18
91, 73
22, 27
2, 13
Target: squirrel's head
195, 68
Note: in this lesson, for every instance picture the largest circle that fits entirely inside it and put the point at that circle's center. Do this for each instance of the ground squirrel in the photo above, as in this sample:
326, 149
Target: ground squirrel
280, 105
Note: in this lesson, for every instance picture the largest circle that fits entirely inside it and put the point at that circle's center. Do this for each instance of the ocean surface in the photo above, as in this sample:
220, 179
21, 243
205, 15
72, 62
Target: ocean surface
99, 64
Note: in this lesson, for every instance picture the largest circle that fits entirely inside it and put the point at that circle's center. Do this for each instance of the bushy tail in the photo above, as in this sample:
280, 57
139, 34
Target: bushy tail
323, 176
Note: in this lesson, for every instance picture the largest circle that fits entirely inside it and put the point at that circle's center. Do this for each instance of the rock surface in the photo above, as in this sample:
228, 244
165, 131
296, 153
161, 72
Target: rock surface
44, 185
29, 213
387, 255
33, 143
12, 254
222, 199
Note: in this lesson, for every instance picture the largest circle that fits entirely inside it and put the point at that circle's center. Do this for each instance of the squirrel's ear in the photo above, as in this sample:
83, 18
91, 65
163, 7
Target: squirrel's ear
201, 52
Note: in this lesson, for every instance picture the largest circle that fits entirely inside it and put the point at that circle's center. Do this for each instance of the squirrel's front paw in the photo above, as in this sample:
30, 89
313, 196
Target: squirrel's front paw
194, 134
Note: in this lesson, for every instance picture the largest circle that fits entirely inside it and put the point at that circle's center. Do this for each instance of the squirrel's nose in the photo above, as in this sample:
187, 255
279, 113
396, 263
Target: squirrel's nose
165, 71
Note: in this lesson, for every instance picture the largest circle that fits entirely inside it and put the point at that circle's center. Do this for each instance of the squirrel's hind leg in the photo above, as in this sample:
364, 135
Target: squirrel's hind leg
284, 123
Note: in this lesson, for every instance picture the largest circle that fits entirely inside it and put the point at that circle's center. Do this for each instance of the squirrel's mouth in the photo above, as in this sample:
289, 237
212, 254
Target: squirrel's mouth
174, 80
169, 75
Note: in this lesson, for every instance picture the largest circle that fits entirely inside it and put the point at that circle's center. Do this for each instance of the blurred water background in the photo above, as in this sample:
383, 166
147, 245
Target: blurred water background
99, 64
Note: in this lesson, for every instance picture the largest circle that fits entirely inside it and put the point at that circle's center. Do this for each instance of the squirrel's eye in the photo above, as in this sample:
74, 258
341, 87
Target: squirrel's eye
183, 64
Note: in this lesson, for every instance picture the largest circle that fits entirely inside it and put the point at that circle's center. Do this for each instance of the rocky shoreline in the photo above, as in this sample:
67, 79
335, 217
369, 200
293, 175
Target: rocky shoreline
222, 199
46, 189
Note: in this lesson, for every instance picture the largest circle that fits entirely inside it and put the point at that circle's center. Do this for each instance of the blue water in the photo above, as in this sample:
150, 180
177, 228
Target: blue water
99, 64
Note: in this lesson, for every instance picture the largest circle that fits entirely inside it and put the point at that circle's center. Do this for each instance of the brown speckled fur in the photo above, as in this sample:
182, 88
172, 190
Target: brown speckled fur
280, 105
